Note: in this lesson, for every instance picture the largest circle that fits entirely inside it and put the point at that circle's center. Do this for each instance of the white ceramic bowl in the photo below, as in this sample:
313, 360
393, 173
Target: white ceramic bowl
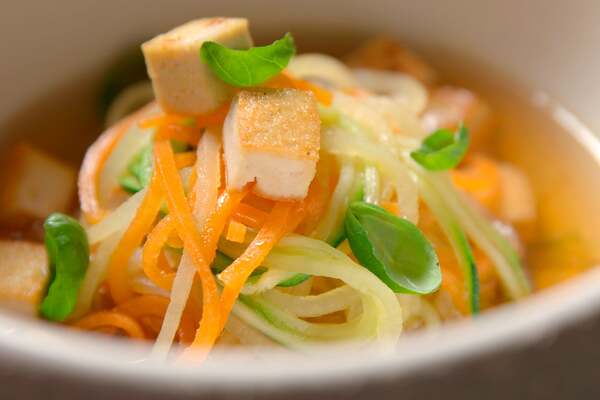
548, 46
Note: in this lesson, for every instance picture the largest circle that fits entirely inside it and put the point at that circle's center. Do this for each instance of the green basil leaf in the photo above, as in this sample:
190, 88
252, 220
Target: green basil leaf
139, 169
244, 68
130, 184
442, 149
141, 166
392, 248
68, 254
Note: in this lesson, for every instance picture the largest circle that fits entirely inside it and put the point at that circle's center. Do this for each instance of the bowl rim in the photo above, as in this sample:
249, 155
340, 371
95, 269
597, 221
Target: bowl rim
528, 321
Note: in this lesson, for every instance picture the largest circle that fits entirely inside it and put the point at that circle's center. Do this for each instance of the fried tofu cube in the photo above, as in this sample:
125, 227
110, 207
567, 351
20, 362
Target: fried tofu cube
24, 275
182, 82
387, 54
35, 184
272, 136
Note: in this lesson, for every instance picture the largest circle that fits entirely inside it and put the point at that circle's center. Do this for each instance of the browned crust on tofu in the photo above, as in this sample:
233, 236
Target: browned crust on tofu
284, 122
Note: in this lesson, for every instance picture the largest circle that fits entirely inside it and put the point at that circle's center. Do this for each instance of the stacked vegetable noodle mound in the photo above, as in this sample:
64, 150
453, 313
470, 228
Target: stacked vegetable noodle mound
273, 198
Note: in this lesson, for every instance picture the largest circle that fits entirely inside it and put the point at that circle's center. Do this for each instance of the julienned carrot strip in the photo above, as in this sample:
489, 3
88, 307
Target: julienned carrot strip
151, 252
174, 241
250, 216
260, 203
234, 276
111, 319
236, 232
323, 96
284, 80
312, 207
391, 206
118, 276
164, 119
285, 217
144, 306
213, 118
479, 177
94, 161
187, 159
215, 223
180, 133
186, 226
156, 306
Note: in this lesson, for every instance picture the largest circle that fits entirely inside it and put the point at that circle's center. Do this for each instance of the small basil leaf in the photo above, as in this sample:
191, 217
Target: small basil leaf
130, 184
442, 149
250, 67
68, 254
141, 166
392, 248
139, 169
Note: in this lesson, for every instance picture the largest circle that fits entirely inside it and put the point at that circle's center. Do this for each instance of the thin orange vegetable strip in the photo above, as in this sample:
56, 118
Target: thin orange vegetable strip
174, 241
234, 276
156, 306
92, 165
284, 80
111, 319
118, 276
211, 212
143, 306
479, 176
186, 226
179, 133
250, 216
164, 119
236, 232
183, 160
312, 207
323, 96
151, 252
391, 206
216, 221
213, 118
213, 226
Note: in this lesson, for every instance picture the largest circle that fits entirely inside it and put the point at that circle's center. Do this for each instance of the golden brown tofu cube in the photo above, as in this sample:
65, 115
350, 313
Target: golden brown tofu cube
24, 275
35, 184
272, 136
387, 54
182, 82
